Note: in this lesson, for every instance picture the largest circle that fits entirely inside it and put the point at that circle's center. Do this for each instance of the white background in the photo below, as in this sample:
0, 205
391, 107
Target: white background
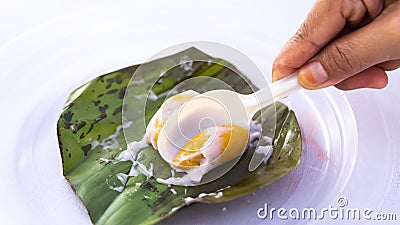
19, 17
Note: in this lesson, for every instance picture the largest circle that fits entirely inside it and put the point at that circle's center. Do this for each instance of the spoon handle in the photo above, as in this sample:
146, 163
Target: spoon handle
279, 89
285, 87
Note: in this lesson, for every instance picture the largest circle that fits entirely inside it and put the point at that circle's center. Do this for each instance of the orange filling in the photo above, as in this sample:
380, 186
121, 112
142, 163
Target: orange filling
158, 124
190, 154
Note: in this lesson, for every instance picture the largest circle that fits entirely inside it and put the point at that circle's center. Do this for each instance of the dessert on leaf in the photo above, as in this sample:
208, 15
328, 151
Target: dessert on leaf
119, 187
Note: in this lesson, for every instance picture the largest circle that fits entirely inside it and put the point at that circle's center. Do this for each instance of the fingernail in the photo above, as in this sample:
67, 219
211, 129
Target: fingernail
313, 74
275, 74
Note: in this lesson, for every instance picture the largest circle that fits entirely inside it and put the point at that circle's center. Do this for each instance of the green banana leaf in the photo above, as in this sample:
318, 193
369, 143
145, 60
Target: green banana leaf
91, 137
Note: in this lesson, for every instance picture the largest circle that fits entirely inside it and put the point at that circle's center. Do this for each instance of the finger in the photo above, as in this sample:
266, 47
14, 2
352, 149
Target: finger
324, 22
390, 65
373, 77
370, 45
374, 7
388, 2
307, 41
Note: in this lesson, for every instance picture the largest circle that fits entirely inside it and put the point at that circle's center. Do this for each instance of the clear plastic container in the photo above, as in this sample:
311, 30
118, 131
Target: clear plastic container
329, 153
351, 140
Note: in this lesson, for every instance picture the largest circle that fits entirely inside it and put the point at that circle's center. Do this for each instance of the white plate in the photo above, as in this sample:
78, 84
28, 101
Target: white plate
41, 67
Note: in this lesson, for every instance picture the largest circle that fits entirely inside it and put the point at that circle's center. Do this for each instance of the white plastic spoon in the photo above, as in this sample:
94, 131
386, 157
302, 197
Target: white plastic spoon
219, 107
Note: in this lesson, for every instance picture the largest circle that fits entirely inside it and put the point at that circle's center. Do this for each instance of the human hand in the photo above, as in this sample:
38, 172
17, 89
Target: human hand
346, 43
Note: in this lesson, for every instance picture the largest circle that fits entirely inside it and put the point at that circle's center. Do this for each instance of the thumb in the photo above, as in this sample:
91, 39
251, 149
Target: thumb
351, 54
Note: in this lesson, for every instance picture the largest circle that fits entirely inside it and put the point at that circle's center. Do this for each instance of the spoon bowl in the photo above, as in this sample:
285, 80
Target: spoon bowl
220, 108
